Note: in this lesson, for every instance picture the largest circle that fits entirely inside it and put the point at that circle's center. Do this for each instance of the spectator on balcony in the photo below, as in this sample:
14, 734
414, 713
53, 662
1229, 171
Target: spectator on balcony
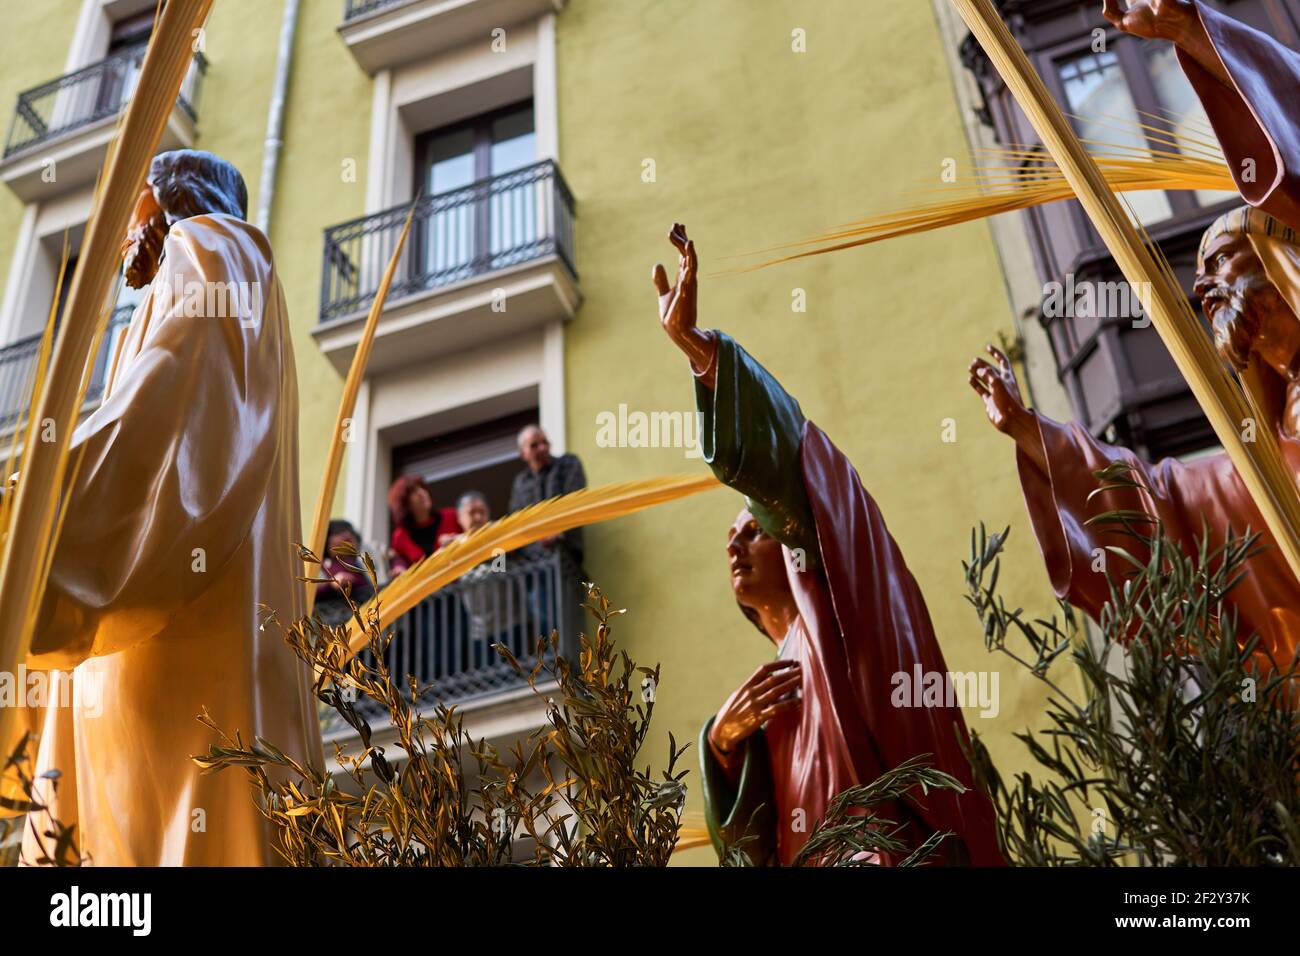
417, 524
545, 477
472, 513
342, 562
482, 593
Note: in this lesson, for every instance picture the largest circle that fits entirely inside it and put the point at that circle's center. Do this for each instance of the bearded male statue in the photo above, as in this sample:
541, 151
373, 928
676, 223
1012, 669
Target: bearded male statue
181, 521
1248, 281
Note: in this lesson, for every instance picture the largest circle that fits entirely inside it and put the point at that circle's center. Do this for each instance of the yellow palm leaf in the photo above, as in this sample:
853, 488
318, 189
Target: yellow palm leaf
688, 838
1025, 178
542, 520
348, 403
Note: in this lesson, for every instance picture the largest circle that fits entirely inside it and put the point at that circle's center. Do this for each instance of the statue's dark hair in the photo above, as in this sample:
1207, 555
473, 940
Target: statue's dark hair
191, 182
754, 619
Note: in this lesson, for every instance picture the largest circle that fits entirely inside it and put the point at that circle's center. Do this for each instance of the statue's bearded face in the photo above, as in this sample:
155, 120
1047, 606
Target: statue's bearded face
757, 565
142, 247
1244, 308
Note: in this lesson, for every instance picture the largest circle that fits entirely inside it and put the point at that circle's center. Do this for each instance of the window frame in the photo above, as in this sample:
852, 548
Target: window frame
480, 124
1141, 88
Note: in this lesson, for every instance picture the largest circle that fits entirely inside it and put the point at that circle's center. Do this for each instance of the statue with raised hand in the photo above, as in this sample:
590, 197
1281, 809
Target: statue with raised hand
815, 570
1248, 282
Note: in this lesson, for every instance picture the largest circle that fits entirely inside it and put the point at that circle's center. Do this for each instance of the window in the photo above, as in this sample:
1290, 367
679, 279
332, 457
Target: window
1099, 98
118, 82
1114, 93
65, 288
1181, 105
471, 229
482, 458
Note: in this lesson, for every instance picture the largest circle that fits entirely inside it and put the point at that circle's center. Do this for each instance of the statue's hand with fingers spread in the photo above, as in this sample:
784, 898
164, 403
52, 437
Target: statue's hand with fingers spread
996, 385
677, 307
770, 691
1151, 19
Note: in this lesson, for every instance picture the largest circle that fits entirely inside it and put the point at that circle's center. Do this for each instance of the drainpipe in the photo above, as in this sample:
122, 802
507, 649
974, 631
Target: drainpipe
275, 115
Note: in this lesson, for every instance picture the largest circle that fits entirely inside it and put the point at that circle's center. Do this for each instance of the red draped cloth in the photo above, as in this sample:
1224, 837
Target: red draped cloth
1256, 118
1198, 499
863, 620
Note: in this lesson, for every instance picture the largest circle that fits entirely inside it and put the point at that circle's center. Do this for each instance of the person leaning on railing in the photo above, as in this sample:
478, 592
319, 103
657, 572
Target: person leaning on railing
547, 476
418, 526
342, 562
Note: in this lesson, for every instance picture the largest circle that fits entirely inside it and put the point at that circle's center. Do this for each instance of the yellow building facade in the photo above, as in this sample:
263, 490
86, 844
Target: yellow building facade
554, 143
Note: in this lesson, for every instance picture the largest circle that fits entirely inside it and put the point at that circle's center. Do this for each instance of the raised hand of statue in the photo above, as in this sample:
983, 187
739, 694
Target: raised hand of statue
1151, 19
769, 692
998, 388
1174, 20
677, 307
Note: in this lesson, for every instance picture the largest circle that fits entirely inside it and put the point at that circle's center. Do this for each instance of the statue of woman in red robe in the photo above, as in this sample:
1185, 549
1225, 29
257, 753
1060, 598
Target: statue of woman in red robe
817, 572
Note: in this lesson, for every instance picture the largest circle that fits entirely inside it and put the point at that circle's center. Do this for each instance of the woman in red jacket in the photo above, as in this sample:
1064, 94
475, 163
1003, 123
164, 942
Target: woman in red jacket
417, 524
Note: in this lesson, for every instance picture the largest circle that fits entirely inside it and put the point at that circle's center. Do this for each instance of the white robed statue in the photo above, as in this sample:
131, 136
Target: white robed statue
181, 521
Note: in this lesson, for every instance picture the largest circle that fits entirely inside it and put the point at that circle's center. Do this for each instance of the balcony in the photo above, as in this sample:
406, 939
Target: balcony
387, 33
446, 641
359, 8
18, 366
60, 130
481, 263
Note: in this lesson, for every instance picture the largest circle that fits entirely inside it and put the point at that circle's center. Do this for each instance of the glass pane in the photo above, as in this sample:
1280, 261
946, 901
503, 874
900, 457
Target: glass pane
451, 161
513, 212
65, 288
449, 233
513, 141
1097, 93
1182, 107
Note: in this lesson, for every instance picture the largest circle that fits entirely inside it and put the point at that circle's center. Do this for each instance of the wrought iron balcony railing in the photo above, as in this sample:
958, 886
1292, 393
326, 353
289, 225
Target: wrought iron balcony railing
445, 642
90, 94
357, 8
488, 225
18, 366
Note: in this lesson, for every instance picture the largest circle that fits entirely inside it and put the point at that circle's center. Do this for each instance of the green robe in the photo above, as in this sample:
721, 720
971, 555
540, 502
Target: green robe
750, 437
861, 621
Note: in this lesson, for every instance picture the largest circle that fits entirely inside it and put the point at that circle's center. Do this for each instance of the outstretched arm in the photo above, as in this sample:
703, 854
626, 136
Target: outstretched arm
677, 309
997, 386
1247, 82
752, 428
1174, 20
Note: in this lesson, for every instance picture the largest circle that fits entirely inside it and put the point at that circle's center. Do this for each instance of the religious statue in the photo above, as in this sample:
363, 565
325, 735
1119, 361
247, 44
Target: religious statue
1248, 281
180, 524
814, 568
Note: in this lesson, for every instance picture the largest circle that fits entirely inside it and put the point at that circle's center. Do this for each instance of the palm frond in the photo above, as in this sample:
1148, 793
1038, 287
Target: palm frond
542, 520
33, 515
1020, 177
348, 403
